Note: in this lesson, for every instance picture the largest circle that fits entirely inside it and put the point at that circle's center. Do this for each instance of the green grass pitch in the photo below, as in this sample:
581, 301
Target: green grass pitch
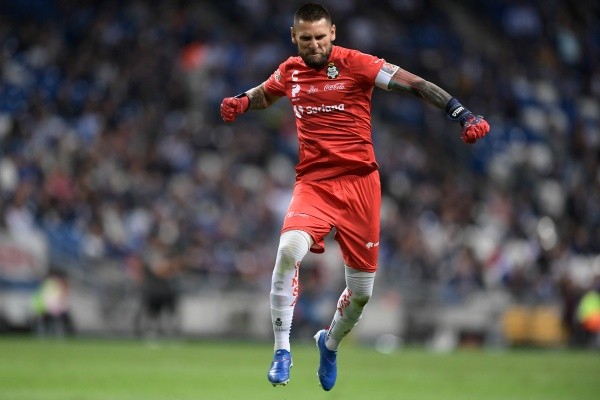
85, 369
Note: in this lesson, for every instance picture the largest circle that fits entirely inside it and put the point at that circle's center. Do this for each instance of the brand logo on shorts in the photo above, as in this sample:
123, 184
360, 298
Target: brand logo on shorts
370, 245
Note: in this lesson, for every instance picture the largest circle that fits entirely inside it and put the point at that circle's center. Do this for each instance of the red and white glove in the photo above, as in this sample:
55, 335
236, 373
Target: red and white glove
473, 126
232, 106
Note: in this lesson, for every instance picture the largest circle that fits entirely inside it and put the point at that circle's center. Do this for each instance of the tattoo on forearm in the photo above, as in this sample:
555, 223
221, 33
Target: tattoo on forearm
257, 99
433, 93
404, 81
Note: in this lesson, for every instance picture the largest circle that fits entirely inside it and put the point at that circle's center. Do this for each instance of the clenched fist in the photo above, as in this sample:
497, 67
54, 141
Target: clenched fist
232, 106
474, 127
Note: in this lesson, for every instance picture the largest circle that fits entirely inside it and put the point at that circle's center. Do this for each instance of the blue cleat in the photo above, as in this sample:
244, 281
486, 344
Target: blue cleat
279, 374
327, 363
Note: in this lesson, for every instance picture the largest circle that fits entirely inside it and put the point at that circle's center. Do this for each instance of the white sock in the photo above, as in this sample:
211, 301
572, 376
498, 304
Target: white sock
359, 287
293, 246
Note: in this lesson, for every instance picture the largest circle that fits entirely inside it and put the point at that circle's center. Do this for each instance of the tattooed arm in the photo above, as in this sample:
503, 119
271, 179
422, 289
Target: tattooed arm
404, 81
254, 99
260, 98
474, 126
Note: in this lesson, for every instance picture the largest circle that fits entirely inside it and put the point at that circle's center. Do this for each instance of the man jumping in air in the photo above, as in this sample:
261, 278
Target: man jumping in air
337, 179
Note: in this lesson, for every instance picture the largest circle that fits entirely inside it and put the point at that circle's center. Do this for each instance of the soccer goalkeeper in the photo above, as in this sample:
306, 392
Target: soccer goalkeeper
337, 179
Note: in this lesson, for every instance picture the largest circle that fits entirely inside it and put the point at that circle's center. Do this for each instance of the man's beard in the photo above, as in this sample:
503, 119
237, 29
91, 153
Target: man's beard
316, 62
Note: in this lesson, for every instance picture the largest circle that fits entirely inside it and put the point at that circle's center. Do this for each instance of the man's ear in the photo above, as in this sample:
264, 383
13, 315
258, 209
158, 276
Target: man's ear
332, 33
293, 34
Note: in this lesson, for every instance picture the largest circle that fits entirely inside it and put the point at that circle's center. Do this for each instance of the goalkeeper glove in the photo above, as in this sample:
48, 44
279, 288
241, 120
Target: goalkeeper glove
473, 126
232, 106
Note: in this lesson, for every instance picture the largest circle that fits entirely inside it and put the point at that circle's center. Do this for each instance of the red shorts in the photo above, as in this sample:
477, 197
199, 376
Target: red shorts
349, 204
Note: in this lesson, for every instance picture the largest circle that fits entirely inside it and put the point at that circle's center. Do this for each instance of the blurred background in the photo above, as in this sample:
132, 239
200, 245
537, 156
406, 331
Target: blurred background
128, 208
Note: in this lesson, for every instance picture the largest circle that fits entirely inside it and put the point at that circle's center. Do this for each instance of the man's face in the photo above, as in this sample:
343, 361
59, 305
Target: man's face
314, 41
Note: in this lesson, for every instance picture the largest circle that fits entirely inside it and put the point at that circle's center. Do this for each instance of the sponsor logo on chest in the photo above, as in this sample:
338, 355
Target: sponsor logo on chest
312, 84
298, 90
334, 86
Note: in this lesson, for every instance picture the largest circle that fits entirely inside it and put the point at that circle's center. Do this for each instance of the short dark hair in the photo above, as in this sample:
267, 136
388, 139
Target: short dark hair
311, 12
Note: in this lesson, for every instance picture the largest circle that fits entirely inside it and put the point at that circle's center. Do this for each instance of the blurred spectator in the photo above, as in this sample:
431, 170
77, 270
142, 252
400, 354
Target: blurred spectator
52, 317
158, 314
465, 281
588, 315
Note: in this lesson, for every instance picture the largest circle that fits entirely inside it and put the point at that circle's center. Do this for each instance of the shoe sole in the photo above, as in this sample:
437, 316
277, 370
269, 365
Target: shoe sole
282, 383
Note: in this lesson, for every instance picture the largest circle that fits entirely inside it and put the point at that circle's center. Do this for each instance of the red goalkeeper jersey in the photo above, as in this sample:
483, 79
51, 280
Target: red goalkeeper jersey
333, 112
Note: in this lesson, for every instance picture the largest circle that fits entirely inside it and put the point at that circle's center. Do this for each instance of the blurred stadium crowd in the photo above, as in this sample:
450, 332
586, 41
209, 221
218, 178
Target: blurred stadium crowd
112, 148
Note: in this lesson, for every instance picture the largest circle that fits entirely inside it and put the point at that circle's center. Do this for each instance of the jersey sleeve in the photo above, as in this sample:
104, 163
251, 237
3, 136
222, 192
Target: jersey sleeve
365, 67
275, 84
373, 70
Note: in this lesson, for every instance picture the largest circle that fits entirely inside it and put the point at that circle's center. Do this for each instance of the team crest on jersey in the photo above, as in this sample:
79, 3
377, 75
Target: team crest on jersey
332, 71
